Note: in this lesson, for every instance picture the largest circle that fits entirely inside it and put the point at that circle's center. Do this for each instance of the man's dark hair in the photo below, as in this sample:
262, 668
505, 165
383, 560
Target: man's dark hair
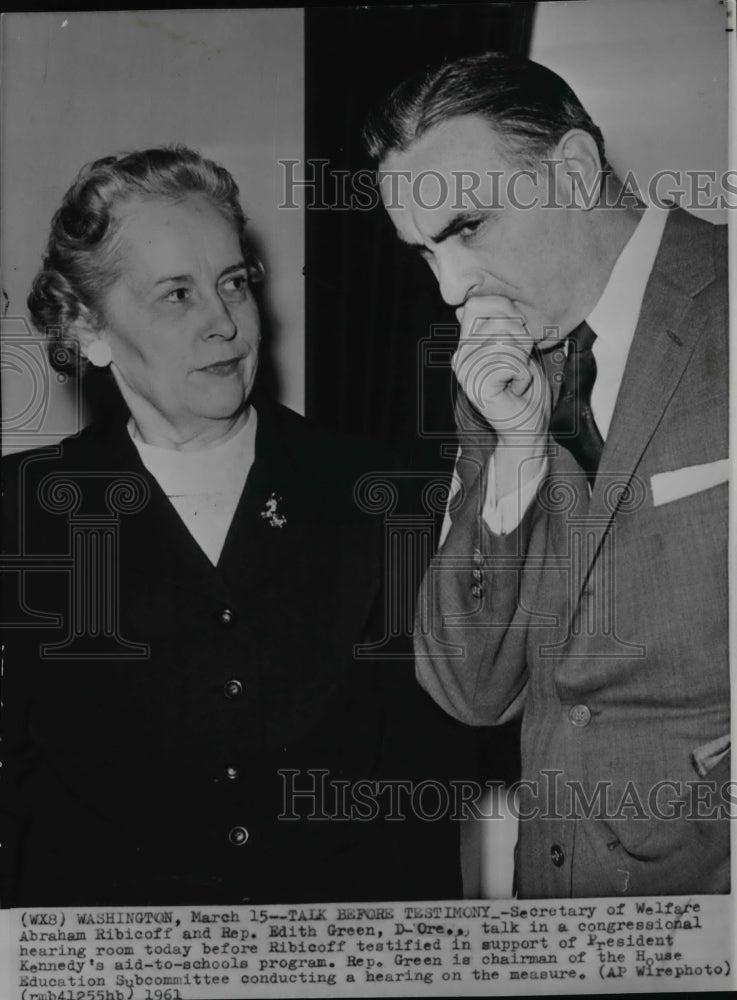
529, 107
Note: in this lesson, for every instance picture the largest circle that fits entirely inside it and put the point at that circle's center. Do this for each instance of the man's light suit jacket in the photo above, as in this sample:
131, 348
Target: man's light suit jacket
603, 618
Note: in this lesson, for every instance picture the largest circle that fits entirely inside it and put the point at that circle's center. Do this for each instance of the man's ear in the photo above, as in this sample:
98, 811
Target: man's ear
579, 172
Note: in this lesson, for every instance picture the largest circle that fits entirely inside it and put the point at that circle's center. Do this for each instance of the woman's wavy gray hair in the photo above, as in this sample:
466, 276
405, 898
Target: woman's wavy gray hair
80, 266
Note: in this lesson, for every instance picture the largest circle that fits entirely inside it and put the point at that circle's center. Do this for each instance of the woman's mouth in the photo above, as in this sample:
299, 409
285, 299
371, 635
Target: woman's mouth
223, 368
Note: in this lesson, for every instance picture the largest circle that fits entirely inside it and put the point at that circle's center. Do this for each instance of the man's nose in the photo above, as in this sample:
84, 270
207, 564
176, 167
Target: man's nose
457, 278
219, 322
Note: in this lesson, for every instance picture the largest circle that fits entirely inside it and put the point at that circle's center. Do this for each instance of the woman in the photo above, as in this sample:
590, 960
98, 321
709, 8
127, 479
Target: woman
189, 582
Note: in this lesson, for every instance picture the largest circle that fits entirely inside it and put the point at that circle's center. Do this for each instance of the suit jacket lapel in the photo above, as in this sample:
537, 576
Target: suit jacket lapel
668, 329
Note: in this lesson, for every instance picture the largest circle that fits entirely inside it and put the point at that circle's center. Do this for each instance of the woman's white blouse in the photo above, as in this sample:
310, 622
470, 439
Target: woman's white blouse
204, 486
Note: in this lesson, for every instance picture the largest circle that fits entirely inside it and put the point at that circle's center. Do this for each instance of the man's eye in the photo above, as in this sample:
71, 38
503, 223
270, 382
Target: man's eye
178, 295
470, 228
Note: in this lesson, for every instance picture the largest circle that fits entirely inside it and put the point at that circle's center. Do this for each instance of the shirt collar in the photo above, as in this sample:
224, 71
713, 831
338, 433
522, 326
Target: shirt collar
217, 467
214, 453
615, 314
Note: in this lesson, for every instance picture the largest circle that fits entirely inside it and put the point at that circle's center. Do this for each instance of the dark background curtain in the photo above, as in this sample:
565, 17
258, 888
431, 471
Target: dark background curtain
371, 304
378, 336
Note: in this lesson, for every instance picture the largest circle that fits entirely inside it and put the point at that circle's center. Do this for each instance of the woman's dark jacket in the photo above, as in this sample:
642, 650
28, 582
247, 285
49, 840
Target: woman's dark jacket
152, 699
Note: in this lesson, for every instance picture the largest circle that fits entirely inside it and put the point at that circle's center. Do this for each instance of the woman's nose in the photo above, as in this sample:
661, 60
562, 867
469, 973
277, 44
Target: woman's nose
219, 321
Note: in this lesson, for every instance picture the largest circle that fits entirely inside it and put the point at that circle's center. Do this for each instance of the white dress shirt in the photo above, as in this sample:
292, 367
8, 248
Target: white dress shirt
204, 486
614, 320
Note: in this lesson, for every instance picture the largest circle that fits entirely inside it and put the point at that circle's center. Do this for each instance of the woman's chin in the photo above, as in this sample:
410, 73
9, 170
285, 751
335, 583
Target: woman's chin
230, 398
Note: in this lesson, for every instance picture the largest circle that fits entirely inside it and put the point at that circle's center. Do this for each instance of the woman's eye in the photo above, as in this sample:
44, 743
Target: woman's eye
178, 295
237, 285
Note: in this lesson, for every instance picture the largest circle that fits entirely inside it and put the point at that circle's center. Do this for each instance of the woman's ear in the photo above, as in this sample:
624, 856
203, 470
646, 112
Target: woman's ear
91, 339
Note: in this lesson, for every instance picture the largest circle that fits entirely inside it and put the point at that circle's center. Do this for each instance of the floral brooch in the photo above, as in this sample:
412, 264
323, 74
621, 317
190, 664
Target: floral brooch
271, 512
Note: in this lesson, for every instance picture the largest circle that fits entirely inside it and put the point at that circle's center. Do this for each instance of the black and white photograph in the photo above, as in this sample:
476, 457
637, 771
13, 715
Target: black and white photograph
366, 500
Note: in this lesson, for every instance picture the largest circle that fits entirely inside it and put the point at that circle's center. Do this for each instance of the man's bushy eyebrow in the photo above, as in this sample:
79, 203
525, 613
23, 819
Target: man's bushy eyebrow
452, 228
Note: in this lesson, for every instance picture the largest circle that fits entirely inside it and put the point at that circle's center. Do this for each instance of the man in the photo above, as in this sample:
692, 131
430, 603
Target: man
581, 580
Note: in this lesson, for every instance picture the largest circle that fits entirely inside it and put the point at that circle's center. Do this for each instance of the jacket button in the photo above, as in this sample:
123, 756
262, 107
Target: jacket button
556, 855
238, 836
477, 574
580, 715
226, 617
232, 773
478, 557
477, 590
232, 689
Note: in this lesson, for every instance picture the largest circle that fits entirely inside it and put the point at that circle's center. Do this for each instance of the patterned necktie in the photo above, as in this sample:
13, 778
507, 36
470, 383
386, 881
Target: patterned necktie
572, 423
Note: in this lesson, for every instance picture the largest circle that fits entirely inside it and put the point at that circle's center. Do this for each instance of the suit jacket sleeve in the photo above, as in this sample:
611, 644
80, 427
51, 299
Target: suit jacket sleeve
471, 623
